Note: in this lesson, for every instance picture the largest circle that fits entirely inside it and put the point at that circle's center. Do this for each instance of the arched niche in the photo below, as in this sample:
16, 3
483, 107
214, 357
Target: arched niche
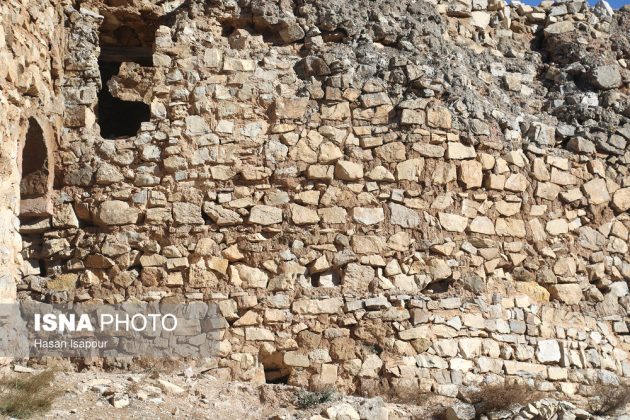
35, 161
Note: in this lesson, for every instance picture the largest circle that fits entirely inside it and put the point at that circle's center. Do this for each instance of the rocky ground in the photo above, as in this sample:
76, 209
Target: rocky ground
193, 393
148, 395
430, 194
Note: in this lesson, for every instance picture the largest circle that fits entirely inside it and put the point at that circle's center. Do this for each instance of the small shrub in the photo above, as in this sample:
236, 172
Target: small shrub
401, 393
308, 399
22, 395
153, 367
499, 397
607, 399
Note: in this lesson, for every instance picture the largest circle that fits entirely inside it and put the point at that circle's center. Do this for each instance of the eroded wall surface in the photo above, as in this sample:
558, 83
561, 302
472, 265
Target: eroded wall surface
429, 195
31, 44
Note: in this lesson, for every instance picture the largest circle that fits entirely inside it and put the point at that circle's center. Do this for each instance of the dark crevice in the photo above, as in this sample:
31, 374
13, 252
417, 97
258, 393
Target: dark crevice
276, 376
118, 118
34, 181
123, 39
276, 372
315, 279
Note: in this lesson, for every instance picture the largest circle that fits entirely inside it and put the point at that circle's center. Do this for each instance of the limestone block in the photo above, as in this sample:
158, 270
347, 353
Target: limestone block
471, 174
571, 294
348, 171
115, 212
368, 215
266, 215
548, 351
453, 222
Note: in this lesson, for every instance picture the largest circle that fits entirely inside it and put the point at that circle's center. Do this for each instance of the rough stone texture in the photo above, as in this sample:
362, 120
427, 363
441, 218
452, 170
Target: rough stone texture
328, 171
30, 77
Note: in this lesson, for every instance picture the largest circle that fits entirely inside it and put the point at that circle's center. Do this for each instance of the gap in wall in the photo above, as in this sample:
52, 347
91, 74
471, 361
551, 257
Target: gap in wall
276, 372
125, 43
118, 118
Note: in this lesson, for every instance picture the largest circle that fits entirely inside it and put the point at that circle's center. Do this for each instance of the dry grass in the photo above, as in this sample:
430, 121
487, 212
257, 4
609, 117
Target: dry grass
22, 395
410, 394
153, 367
499, 397
607, 399
305, 399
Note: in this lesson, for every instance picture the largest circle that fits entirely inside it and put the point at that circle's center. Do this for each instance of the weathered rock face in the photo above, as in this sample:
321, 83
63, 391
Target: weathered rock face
30, 121
336, 179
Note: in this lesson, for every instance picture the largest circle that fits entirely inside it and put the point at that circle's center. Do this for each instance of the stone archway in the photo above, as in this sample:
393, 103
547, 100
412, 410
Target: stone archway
36, 172
36, 166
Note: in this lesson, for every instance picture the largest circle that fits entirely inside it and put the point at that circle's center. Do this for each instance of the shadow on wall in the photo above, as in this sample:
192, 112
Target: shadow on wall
35, 172
35, 197
132, 42
118, 118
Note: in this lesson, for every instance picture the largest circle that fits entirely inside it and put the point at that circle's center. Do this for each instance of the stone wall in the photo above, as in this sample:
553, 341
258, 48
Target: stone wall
31, 49
355, 187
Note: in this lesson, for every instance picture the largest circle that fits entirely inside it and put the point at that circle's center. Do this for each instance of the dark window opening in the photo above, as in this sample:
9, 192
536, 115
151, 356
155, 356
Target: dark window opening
276, 376
276, 372
438, 287
130, 39
118, 118
34, 181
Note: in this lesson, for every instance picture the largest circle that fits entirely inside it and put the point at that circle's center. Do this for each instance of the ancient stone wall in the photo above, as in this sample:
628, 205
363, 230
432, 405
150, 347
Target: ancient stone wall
385, 194
31, 45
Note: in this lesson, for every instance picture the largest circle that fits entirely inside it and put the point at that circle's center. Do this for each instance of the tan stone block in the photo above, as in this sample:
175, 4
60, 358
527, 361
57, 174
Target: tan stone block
412, 116
495, 182
482, 224
368, 215
333, 215
439, 117
258, 334
348, 171
458, 151
292, 108
391, 152
621, 199
293, 358
596, 191
301, 215
533, 290
471, 174
547, 190
510, 227
320, 172
557, 227
265, 215
571, 294
317, 306
516, 183
453, 222
410, 170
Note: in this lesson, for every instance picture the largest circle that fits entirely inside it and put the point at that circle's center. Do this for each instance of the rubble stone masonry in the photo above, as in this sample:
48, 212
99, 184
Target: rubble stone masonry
31, 50
430, 194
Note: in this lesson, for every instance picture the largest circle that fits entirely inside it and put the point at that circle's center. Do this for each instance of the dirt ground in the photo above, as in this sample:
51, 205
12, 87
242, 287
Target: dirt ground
98, 395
